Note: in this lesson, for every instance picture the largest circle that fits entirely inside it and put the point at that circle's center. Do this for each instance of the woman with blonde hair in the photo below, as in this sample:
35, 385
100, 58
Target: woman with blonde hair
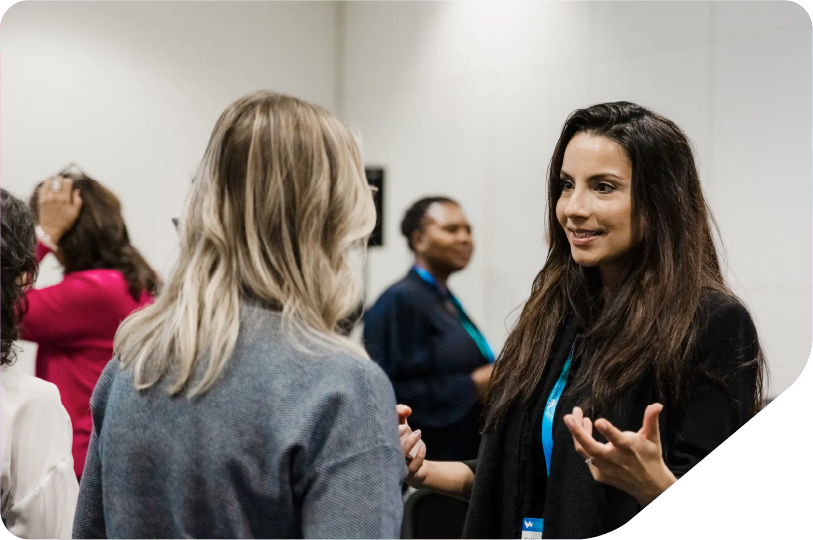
233, 407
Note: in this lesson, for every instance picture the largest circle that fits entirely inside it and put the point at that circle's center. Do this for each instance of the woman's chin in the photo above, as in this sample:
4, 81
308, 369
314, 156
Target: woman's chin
582, 260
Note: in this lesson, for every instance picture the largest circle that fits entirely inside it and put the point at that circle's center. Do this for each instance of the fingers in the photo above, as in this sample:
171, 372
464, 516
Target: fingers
578, 414
404, 411
589, 445
613, 434
579, 449
416, 463
65, 191
651, 427
587, 426
411, 441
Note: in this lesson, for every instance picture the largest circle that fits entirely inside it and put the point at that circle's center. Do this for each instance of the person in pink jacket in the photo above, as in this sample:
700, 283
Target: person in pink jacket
105, 279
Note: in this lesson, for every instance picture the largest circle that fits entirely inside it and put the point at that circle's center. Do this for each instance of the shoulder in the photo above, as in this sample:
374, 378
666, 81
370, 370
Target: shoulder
345, 373
729, 336
725, 313
105, 383
27, 397
406, 293
347, 381
31, 390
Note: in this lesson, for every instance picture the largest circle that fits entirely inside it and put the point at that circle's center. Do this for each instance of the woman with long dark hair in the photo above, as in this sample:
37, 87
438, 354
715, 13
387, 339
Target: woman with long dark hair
106, 279
630, 316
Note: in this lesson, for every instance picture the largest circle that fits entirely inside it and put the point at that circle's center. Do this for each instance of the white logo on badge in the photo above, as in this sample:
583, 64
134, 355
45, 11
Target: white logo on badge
528, 524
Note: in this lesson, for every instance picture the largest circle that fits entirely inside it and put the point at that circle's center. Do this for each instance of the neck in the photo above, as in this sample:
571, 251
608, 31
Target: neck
609, 279
440, 276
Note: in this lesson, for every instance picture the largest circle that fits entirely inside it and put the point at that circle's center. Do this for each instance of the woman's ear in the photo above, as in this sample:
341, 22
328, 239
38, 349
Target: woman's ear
419, 241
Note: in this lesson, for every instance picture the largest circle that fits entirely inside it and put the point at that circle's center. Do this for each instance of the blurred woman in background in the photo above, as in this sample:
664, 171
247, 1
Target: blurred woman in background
438, 361
38, 485
234, 408
105, 279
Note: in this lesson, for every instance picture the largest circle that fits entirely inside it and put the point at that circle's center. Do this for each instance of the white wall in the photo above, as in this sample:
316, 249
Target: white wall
131, 91
467, 99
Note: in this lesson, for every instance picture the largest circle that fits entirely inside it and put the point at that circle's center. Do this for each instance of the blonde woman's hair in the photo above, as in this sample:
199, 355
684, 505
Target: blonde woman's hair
278, 210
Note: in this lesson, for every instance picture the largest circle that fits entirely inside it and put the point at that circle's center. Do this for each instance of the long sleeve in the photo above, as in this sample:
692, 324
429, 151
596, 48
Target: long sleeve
399, 338
67, 313
352, 485
723, 392
89, 521
40, 486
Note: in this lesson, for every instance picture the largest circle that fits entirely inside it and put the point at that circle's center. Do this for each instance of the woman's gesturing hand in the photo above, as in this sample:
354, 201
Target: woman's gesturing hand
630, 461
59, 206
414, 449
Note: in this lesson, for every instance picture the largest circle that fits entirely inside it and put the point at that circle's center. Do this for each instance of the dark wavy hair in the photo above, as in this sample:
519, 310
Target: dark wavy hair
99, 239
19, 268
653, 320
413, 218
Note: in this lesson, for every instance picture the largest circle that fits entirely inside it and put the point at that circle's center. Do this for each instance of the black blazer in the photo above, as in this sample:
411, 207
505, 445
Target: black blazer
510, 478
412, 333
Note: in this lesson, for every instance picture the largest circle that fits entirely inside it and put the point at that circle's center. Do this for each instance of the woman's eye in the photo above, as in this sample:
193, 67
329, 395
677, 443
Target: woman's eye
565, 185
605, 188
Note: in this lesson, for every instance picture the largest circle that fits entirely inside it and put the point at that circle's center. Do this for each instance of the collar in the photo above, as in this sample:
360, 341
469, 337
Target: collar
427, 276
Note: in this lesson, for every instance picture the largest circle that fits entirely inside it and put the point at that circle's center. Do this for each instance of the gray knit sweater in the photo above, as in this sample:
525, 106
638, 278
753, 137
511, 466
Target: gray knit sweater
283, 445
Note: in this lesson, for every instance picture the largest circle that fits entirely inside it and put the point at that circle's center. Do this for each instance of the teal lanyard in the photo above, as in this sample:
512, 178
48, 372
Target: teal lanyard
476, 335
550, 410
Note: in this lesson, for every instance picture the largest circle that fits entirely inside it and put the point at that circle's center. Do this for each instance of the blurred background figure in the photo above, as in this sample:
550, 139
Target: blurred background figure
438, 361
105, 279
38, 485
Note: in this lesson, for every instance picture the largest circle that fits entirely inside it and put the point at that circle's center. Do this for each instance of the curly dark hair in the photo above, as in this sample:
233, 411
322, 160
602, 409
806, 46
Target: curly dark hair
19, 268
99, 238
413, 219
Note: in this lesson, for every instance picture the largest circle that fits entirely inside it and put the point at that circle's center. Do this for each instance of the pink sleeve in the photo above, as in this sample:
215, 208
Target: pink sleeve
66, 312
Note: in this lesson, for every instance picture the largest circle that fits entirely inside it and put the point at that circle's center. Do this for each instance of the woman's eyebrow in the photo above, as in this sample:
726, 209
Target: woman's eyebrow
600, 176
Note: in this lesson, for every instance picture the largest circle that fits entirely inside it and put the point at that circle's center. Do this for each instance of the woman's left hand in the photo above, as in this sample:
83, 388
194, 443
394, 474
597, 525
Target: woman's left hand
630, 461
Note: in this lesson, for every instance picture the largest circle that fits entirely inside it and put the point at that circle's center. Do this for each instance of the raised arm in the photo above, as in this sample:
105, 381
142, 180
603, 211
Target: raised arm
63, 314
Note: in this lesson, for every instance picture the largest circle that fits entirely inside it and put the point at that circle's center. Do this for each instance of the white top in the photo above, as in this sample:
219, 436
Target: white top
39, 487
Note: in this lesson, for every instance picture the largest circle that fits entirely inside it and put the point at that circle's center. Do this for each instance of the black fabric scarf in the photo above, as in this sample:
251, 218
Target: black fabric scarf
577, 506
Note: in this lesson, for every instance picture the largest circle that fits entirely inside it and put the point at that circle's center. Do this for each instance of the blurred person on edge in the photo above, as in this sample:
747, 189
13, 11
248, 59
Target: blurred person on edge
105, 279
38, 485
438, 361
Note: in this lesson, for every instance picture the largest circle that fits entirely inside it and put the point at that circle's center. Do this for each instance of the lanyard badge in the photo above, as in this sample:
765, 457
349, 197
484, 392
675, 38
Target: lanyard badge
532, 527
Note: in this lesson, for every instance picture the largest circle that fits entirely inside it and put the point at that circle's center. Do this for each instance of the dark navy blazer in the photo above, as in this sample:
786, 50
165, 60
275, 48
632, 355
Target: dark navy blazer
414, 334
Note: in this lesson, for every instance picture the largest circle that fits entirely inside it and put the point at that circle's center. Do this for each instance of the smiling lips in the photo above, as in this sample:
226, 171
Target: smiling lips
583, 237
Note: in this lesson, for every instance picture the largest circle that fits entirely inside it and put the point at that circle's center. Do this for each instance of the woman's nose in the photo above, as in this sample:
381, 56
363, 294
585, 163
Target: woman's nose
578, 205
